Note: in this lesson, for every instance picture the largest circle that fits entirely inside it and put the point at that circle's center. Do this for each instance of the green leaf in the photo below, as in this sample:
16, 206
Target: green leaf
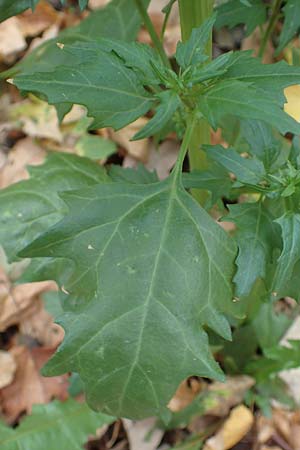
235, 12
275, 360
256, 238
118, 20
112, 93
215, 179
95, 147
169, 103
270, 78
136, 314
262, 143
29, 207
291, 24
55, 425
243, 100
237, 353
290, 256
247, 170
193, 51
9, 8
83, 3
140, 175
269, 326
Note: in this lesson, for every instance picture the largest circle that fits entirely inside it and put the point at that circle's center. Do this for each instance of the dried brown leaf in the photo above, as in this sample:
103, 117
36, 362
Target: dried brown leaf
235, 428
25, 152
29, 387
7, 368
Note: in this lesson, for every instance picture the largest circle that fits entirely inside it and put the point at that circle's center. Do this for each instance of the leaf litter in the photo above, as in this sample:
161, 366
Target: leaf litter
29, 335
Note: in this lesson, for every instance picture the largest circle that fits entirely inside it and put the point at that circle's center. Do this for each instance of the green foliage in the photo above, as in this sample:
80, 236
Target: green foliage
291, 23
125, 248
57, 425
31, 206
146, 273
234, 12
9, 8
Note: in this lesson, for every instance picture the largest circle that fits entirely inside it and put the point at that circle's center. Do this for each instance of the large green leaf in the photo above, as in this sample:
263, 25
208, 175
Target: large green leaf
29, 207
291, 23
151, 269
241, 99
256, 238
55, 425
10, 8
113, 94
235, 12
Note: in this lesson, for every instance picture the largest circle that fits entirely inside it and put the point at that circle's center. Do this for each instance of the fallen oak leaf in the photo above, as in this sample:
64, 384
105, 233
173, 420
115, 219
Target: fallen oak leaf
29, 387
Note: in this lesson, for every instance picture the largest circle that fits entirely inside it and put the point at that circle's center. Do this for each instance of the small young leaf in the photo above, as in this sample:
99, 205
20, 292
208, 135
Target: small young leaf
256, 238
234, 12
291, 24
275, 360
122, 237
95, 147
55, 425
193, 51
270, 326
249, 171
169, 103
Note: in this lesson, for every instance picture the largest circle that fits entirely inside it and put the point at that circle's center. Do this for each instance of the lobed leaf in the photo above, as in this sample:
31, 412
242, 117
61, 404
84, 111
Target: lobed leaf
256, 237
270, 78
237, 98
134, 331
192, 52
247, 170
112, 93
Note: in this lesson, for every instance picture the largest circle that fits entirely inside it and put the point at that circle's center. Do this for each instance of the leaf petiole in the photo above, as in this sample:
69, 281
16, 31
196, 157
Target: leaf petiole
150, 28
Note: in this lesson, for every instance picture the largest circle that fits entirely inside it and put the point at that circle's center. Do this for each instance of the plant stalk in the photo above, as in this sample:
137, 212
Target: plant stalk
270, 27
150, 28
192, 14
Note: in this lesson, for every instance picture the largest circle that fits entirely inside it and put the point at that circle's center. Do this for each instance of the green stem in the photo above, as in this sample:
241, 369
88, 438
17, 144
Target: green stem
149, 25
184, 148
192, 14
270, 27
